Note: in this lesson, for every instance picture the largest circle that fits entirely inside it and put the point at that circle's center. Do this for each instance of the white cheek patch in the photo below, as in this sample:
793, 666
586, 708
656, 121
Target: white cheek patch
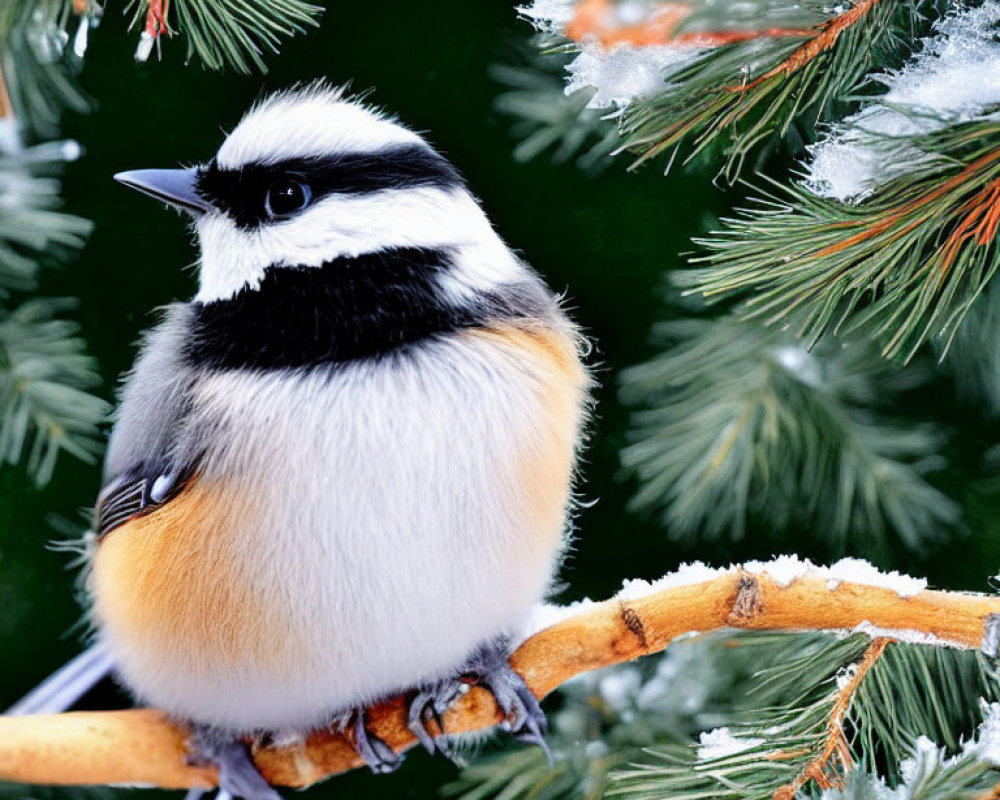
231, 259
352, 225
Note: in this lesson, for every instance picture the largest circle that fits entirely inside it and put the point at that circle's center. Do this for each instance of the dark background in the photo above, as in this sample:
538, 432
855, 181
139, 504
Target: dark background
605, 240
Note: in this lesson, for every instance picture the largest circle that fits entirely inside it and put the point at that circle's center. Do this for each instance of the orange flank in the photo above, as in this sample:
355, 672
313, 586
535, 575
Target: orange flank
169, 582
545, 466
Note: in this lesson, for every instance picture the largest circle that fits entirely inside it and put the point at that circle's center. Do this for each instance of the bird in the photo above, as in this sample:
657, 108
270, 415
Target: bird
345, 468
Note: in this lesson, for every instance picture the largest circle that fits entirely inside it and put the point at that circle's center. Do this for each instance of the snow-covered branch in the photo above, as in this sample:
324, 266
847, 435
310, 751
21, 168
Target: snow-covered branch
786, 594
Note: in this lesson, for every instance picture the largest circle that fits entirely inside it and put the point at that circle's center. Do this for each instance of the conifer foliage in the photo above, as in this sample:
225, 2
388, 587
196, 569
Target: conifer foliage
866, 135
46, 377
218, 33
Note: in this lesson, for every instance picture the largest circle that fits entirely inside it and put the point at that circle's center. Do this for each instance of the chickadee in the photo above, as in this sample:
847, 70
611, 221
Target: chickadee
342, 470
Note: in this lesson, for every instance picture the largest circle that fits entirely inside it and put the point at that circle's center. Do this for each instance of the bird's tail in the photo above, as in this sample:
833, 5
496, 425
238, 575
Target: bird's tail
68, 684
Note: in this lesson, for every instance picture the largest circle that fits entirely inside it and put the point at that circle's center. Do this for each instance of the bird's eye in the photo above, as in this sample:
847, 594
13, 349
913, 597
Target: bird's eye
286, 197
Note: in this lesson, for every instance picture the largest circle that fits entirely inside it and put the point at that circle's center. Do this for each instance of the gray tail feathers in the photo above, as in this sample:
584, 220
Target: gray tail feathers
68, 684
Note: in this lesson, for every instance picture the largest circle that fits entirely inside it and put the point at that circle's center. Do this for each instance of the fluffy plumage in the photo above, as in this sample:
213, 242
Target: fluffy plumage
367, 417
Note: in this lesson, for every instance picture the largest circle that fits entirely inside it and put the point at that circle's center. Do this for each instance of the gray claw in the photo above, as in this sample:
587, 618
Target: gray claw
238, 776
524, 716
379, 757
428, 705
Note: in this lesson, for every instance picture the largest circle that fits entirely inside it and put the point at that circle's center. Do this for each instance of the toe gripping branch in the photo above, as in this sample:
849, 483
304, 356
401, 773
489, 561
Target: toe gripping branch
238, 775
426, 709
489, 668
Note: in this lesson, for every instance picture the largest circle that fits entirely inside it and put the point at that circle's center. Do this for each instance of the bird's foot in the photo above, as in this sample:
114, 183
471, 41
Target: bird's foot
379, 757
489, 668
429, 703
238, 776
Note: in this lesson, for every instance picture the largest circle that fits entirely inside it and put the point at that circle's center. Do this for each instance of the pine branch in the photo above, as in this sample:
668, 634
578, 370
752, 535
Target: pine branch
45, 375
929, 775
973, 358
764, 695
916, 692
803, 736
779, 751
145, 747
37, 69
221, 33
30, 225
740, 96
827, 767
893, 233
900, 268
546, 118
730, 76
737, 421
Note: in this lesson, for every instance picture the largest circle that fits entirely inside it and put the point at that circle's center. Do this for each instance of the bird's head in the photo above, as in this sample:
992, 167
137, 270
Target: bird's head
310, 176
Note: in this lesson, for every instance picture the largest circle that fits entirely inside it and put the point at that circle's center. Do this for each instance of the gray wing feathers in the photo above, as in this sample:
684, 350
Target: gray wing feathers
154, 398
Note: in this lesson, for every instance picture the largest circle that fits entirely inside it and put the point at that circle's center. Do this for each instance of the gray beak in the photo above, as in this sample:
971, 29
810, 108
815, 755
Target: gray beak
178, 187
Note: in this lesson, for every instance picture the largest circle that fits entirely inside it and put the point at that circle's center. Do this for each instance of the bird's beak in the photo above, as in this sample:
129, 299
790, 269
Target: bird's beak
178, 187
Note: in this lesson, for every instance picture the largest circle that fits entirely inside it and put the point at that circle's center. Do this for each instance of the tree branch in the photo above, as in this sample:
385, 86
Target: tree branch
145, 747
834, 758
823, 39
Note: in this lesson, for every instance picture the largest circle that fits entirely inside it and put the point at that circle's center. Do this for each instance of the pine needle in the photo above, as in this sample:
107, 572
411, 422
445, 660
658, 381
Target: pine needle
736, 421
742, 96
903, 267
547, 119
236, 33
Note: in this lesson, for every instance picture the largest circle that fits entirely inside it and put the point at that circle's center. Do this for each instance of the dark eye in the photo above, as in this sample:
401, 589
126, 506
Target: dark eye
286, 197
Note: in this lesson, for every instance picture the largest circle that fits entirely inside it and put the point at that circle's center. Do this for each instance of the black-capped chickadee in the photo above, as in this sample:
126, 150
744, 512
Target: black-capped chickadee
343, 469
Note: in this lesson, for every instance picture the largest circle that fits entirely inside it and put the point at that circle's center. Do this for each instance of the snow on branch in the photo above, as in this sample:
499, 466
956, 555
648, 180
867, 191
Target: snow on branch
626, 50
786, 594
954, 79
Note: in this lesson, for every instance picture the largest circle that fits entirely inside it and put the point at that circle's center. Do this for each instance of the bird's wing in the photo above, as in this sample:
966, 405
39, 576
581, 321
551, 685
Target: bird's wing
135, 493
147, 462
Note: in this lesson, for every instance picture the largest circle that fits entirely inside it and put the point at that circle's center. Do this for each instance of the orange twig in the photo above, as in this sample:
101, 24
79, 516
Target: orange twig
156, 18
895, 216
980, 218
821, 41
596, 20
835, 757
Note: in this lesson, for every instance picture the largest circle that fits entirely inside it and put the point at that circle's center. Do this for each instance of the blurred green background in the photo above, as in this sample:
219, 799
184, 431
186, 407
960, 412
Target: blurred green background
606, 240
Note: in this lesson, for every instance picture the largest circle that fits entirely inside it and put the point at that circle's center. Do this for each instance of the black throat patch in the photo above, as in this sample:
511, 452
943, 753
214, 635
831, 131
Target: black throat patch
346, 310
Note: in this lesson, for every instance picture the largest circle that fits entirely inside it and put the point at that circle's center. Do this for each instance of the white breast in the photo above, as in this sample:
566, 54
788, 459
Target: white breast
390, 526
